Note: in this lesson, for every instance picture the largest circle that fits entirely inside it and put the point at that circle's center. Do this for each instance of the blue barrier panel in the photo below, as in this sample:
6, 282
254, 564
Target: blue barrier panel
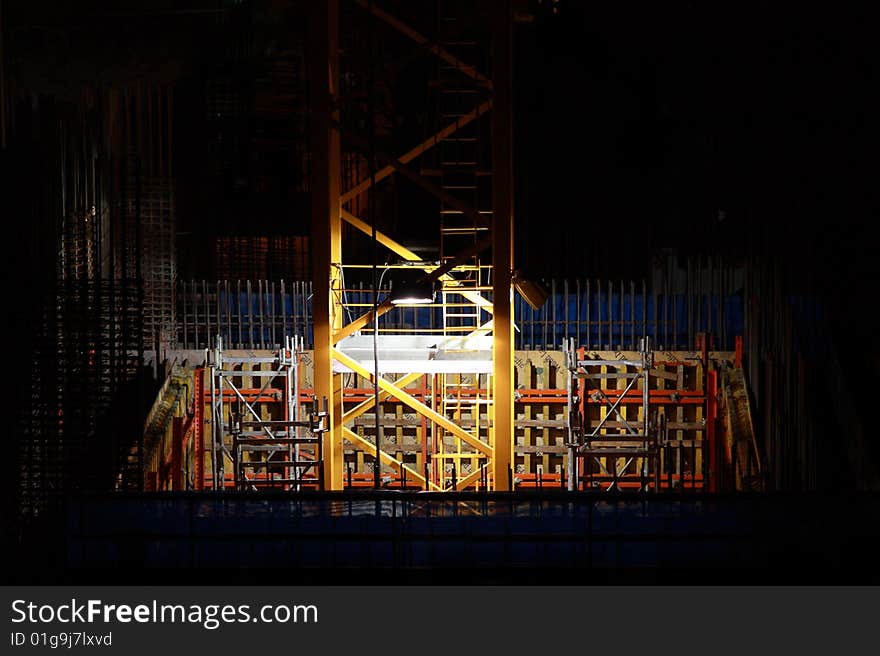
592, 317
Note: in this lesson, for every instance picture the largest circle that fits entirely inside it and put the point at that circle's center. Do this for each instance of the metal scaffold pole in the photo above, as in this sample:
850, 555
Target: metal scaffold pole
261, 430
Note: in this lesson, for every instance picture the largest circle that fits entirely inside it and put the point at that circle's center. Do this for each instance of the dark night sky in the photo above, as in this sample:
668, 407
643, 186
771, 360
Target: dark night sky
650, 120
635, 124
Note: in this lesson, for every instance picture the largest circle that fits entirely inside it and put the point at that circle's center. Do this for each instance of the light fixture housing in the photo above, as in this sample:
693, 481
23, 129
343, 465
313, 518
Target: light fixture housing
533, 292
416, 293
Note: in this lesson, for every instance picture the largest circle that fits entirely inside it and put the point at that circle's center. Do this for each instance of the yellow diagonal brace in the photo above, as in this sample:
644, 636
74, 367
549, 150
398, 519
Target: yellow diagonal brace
363, 406
382, 238
407, 254
443, 54
388, 459
462, 484
432, 141
416, 405
363, 321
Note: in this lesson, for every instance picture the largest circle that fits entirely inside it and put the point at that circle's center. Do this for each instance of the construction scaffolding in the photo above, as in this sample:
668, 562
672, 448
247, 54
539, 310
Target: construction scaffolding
464, 173
612, 445
428, 397
469, 225
258, 429
659, 420
671, 308
571, 406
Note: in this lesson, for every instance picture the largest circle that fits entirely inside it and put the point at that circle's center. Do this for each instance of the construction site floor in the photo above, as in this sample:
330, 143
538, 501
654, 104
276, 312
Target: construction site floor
550, 536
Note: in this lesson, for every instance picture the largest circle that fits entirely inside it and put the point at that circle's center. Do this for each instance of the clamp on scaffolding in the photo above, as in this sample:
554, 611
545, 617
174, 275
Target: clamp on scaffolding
262, 448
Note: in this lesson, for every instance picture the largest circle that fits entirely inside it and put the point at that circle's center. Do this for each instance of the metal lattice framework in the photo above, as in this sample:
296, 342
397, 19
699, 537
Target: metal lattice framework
649, 420
459, 269
631, 442
261, 448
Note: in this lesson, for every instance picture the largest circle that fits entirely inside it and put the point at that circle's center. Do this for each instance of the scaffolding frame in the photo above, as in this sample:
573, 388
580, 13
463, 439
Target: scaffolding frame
329, 211
244, 433
636, 443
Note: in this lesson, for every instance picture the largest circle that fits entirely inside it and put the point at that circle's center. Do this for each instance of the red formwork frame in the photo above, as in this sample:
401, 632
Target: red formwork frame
711, 415
708, 397
198, 421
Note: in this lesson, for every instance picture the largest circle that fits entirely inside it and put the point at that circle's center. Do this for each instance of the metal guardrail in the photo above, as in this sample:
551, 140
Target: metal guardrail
603, 315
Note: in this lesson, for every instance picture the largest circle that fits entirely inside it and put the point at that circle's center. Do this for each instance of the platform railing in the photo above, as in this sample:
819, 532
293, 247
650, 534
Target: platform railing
597, 314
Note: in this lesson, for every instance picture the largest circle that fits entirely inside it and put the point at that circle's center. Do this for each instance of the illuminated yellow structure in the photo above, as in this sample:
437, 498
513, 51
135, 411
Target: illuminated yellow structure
474, 347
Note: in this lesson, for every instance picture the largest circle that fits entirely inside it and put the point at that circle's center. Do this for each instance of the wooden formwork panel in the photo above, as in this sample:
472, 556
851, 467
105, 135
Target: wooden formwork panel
677, 381
675, 385
540, 426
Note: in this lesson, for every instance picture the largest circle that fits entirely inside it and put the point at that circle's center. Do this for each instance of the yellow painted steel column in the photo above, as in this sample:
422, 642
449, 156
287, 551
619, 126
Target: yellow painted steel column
323, 62
502, 242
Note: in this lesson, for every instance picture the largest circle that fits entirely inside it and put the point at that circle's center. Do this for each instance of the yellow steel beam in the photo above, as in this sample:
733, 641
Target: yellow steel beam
413, 403
387, 458
445, 55
406, 254
326, 222
421, 181
381, 237
429, 143
470, 479
363, 406
502, 242
363, 321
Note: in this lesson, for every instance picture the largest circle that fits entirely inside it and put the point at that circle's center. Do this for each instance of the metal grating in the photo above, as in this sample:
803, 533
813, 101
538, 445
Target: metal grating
79, 428
150, 214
